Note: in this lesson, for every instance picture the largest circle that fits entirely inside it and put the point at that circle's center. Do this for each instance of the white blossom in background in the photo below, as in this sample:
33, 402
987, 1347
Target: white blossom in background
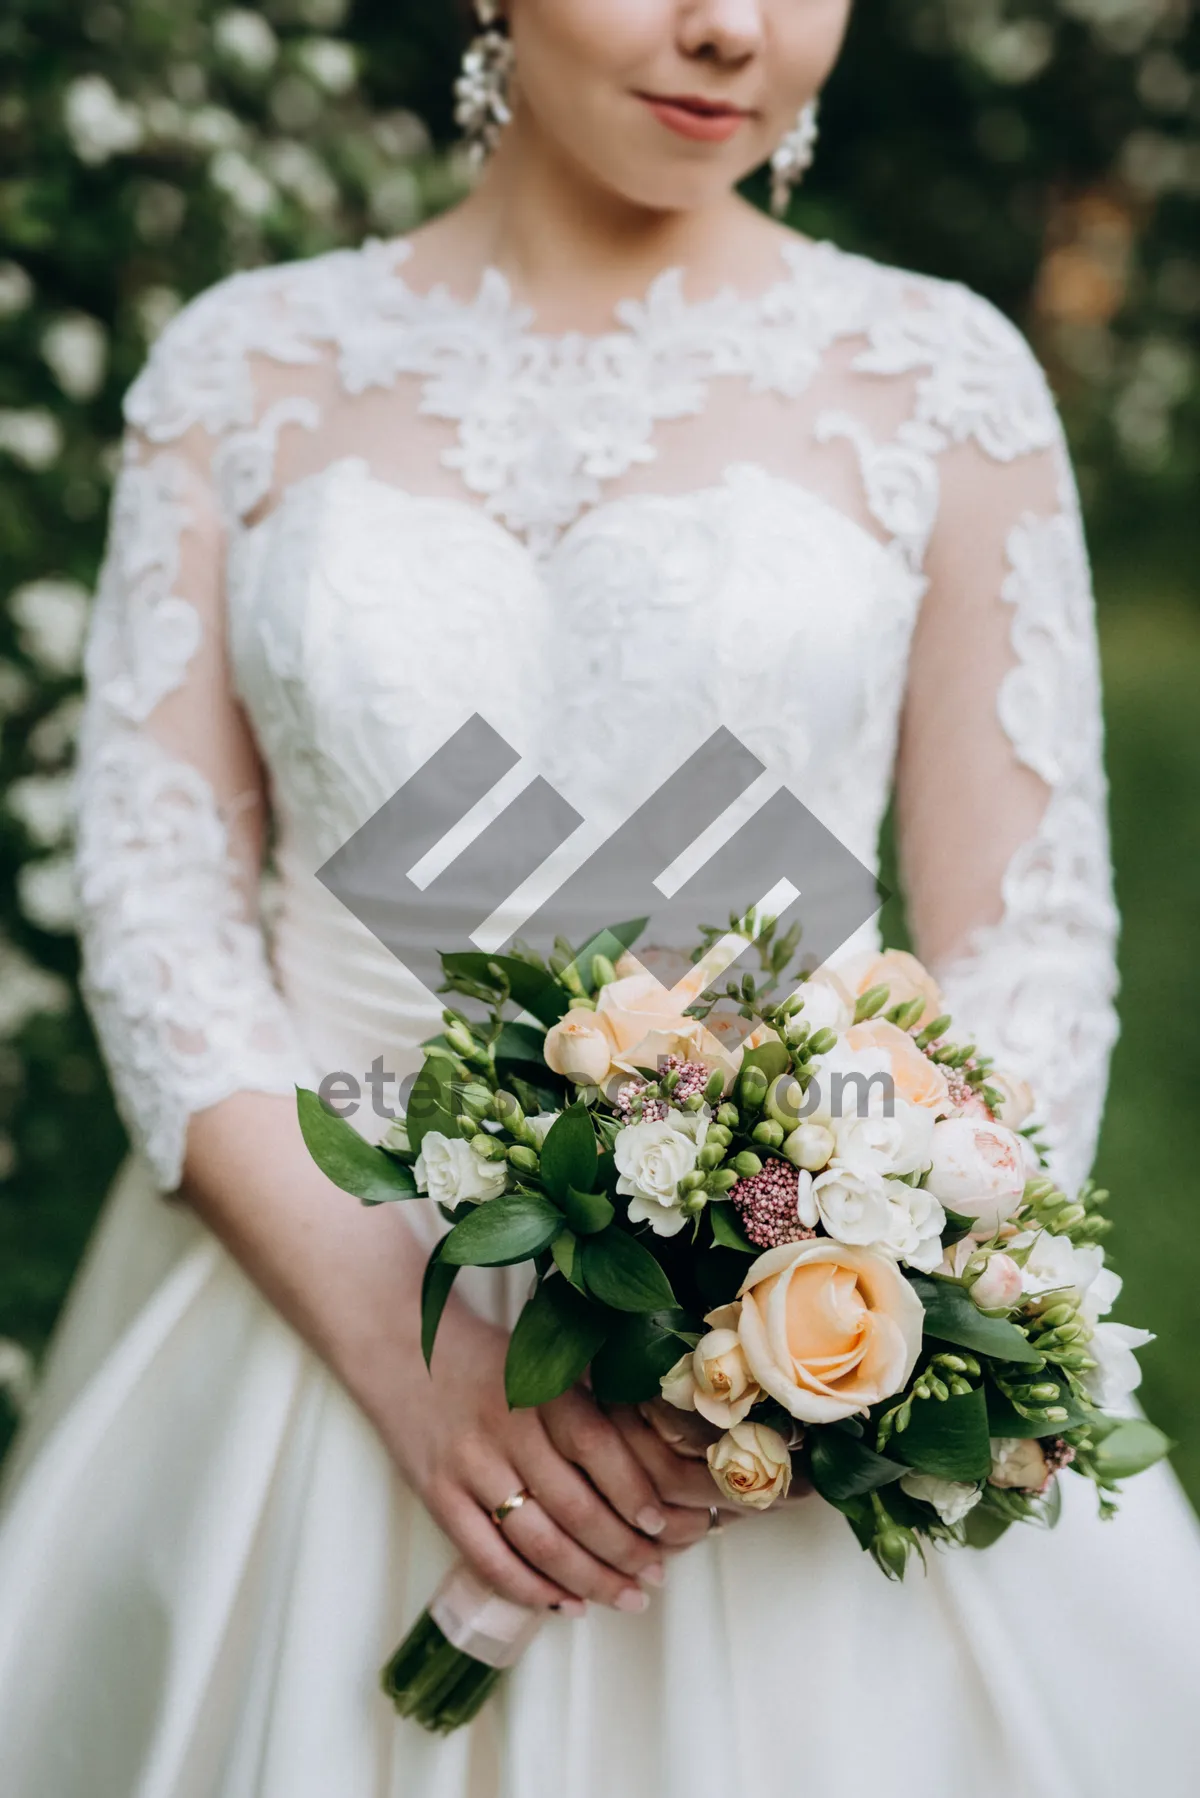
245, 37
155, 308
329, 62
51, 617
395, 201
244, 185
75, 348
46, 894
27, 991
325, 15
99, 123
296, 169
53, 737
16, 689
402, 135
16, 1363
16, 289
32, 436
42, 804
213, 128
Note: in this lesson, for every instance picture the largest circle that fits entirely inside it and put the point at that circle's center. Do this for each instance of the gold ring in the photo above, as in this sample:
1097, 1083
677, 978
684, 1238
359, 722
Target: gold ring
510, 1505
714, 1519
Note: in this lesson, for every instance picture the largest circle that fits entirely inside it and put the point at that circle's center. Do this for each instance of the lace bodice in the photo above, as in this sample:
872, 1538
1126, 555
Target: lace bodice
835, 516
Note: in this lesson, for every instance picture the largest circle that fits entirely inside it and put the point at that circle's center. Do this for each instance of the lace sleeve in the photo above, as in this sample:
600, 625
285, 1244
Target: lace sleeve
1001, 794
170, 814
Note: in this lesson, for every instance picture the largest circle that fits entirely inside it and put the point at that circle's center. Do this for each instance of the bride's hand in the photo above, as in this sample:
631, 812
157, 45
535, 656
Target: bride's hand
672, 1447
594, 1527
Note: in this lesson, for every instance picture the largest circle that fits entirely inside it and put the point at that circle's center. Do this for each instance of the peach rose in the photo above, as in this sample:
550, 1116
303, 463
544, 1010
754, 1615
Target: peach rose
579, 1048
903, 975
917, 1079
726, 1390
829, 1330
1019, 1466
752, 1465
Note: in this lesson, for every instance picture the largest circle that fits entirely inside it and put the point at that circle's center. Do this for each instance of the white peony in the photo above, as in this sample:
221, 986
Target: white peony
979, 1170
652, 1158
450, 1172
951, 1499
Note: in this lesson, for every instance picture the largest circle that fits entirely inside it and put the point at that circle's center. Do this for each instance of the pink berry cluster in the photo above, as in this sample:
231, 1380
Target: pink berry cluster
693, 1078
768, 1204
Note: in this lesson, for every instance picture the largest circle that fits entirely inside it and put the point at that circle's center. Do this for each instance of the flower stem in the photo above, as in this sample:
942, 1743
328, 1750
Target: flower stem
434, 1683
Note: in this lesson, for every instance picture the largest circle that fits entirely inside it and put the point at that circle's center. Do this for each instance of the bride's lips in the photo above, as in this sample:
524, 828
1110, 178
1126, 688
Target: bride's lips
704, 121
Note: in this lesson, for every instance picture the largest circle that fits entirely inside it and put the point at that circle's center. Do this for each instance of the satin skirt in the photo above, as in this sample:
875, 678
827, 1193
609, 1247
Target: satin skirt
205, 1557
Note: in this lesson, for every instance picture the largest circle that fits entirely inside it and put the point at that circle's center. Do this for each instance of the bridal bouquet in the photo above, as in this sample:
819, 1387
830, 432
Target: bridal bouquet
809, 1215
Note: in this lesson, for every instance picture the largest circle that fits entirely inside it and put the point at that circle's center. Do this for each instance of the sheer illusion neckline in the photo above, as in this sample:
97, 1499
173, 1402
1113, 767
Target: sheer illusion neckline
494, 300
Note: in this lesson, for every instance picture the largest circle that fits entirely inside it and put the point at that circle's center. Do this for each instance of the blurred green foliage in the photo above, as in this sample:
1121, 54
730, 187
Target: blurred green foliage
1047, 152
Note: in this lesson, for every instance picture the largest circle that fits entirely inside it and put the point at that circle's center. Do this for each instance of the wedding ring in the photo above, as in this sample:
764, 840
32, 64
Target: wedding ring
714, 1519
509, 1506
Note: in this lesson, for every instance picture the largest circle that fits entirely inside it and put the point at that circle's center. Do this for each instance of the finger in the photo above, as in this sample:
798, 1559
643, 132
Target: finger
482, 1545
582, 1433
585, 1516
679, 1482
535, 1536
685, 1432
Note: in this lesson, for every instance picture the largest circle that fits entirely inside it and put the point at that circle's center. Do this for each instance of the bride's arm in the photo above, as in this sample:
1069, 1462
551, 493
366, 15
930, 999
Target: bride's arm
1001, 792
204, 1058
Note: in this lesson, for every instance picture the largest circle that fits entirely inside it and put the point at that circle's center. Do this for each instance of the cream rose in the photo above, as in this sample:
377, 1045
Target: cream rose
579, 1048
1016, 1100
904, 976
450, 1173
644, 1024
828, 1003
752, 1465
829, 1330
725, 1389
918, 1080
978, 1170
1019, 1465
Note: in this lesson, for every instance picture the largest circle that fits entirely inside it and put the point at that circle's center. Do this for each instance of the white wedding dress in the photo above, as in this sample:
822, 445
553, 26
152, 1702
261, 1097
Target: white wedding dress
835, 517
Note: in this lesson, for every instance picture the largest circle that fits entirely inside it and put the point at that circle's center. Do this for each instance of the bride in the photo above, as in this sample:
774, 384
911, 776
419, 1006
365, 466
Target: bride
610, 459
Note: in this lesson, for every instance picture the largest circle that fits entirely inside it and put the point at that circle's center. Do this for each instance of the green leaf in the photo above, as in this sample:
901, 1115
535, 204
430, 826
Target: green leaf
565, 1250
533, 990
431, 1104
951, 1441
522, 1043
611, 942
727, 1229
951, 1315
772, 1058
439, 1277
985, 1526
343, 1157
516, 1227
639, 1351
587, 1212
1129, 1447
843, 1468
569, 1153
555, 1338
621, 1272
958, 1228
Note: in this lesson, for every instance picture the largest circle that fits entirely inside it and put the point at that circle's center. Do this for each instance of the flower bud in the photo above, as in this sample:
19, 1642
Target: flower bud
1068, 1219
769, 1134
692, 1183
467, 1125
524, 1160
999, 1286
488, 1148
752, 1089
748, 1164
891, 1550
724, 1180
711, 1156
871, 1003
714, 1092
1045, 1393
729, 1116
785, 1102
397, 1140
823, 1043
1058, 1314
810, 1147
603, 972
476, 1099
717, 1133
460, 1039
507, 1110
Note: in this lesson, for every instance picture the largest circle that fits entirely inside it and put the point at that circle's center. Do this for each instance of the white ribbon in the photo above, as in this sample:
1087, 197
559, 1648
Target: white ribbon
476, 1621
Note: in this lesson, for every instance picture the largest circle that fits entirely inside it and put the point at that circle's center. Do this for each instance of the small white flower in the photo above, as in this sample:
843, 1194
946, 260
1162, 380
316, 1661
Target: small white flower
51, 617
46, 894
301, 173
450, 1172
951, 1499
33, 436
876, 1143
16, 289
75, 348
329, 62
27, 991
42, 803
1116, 1376
243, 184
245, 37
99, 124
16, 1374
540, 1125
852, 1206
916, 1222
652, 1158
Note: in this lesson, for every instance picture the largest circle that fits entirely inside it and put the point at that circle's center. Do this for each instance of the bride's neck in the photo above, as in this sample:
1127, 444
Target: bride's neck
572, 248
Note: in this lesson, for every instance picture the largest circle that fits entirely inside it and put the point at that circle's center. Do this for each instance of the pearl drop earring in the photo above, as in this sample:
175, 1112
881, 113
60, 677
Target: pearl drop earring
794, 157
481, 91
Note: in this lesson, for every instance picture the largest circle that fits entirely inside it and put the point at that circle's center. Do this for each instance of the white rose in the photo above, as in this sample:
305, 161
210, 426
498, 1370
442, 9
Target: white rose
540, 1125
848, 1083
876, 1143
652, 1158
1116, 1375
828, 1003
810, 1147
853, 1207
951, 1499
449, 1171
979, 1170
1000, 1284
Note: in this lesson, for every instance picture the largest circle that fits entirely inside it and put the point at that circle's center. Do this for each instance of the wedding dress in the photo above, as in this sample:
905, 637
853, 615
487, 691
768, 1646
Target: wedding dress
835, 517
